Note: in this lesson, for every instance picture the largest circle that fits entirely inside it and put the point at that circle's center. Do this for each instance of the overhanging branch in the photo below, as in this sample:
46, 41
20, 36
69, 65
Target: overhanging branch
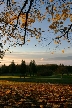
26, 15
22, 10
27, 18
65, 32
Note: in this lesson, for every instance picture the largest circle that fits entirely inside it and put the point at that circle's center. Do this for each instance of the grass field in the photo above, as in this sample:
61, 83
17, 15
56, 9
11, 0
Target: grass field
40, 79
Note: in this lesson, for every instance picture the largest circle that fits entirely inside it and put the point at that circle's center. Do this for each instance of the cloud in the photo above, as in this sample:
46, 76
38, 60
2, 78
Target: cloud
62, 58
39, 57
42, 59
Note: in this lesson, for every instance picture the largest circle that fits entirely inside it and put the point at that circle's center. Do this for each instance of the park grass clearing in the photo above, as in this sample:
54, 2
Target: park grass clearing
40, 79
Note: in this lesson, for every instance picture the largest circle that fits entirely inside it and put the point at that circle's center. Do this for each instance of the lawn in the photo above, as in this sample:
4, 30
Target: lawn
55, 79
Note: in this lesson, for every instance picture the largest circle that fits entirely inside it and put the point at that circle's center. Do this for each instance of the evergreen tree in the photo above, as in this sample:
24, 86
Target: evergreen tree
12, 67
23, 68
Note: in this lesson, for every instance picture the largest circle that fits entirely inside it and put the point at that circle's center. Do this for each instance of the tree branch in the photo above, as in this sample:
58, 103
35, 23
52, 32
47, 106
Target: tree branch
65, 32
27, 18
22, 10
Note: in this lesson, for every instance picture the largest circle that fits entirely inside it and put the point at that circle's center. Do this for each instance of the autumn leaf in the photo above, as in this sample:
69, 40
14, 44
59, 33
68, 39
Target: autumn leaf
62, 51
51, 0
8, 91
28, 40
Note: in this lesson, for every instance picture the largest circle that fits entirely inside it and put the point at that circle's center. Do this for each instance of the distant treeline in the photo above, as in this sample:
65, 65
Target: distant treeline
33, 69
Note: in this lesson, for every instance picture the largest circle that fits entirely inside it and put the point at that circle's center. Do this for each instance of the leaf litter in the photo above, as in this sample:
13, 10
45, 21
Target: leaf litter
35, 95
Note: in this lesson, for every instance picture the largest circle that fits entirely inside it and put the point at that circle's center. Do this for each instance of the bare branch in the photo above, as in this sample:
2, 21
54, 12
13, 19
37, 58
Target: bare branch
27, 18
65, 32
8, 2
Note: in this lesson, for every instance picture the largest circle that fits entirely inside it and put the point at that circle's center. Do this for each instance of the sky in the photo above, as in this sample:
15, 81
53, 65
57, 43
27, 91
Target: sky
41, 52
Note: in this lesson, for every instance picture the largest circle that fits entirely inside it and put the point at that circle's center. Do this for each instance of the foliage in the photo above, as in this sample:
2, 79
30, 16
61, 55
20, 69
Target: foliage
12, 67
16, 19
62, 69
3, 69
69, 68
23, 68
45, 72
34, 70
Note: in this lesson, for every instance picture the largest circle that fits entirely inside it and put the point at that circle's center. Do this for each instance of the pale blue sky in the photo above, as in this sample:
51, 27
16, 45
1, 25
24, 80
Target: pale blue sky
41, 53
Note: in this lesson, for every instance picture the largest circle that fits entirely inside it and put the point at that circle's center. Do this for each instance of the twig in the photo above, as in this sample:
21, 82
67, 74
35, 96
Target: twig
22, 10
27, 18
65, 32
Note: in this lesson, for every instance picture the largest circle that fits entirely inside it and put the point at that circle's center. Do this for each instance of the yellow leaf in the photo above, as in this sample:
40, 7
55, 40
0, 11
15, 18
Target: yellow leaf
12, 1
39, 41
51, 0
11, 22
22, 25
64, 16
52, 53
55, 42
4, 41
7, 14
28, 40
41, 2
37, 37
62, 51
65, 10
63, 5
8, 91
13, 18
61, 22
58, 17
71, 17
54, 8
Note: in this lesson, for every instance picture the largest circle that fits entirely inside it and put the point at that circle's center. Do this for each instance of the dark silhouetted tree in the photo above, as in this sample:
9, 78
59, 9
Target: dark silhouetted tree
12, 67
3, 69
33, 69
61, 70
23, 68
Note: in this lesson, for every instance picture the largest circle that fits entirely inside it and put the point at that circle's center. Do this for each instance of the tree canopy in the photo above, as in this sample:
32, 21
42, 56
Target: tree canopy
18, 17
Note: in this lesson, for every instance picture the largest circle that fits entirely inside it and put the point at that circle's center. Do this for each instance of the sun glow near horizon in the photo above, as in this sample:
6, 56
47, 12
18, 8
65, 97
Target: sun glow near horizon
39, 57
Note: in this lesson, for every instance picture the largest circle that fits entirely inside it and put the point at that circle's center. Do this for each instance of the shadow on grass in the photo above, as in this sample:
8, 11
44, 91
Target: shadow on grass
38, 80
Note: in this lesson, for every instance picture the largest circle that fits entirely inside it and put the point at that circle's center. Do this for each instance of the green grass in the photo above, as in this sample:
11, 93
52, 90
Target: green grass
56, 79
